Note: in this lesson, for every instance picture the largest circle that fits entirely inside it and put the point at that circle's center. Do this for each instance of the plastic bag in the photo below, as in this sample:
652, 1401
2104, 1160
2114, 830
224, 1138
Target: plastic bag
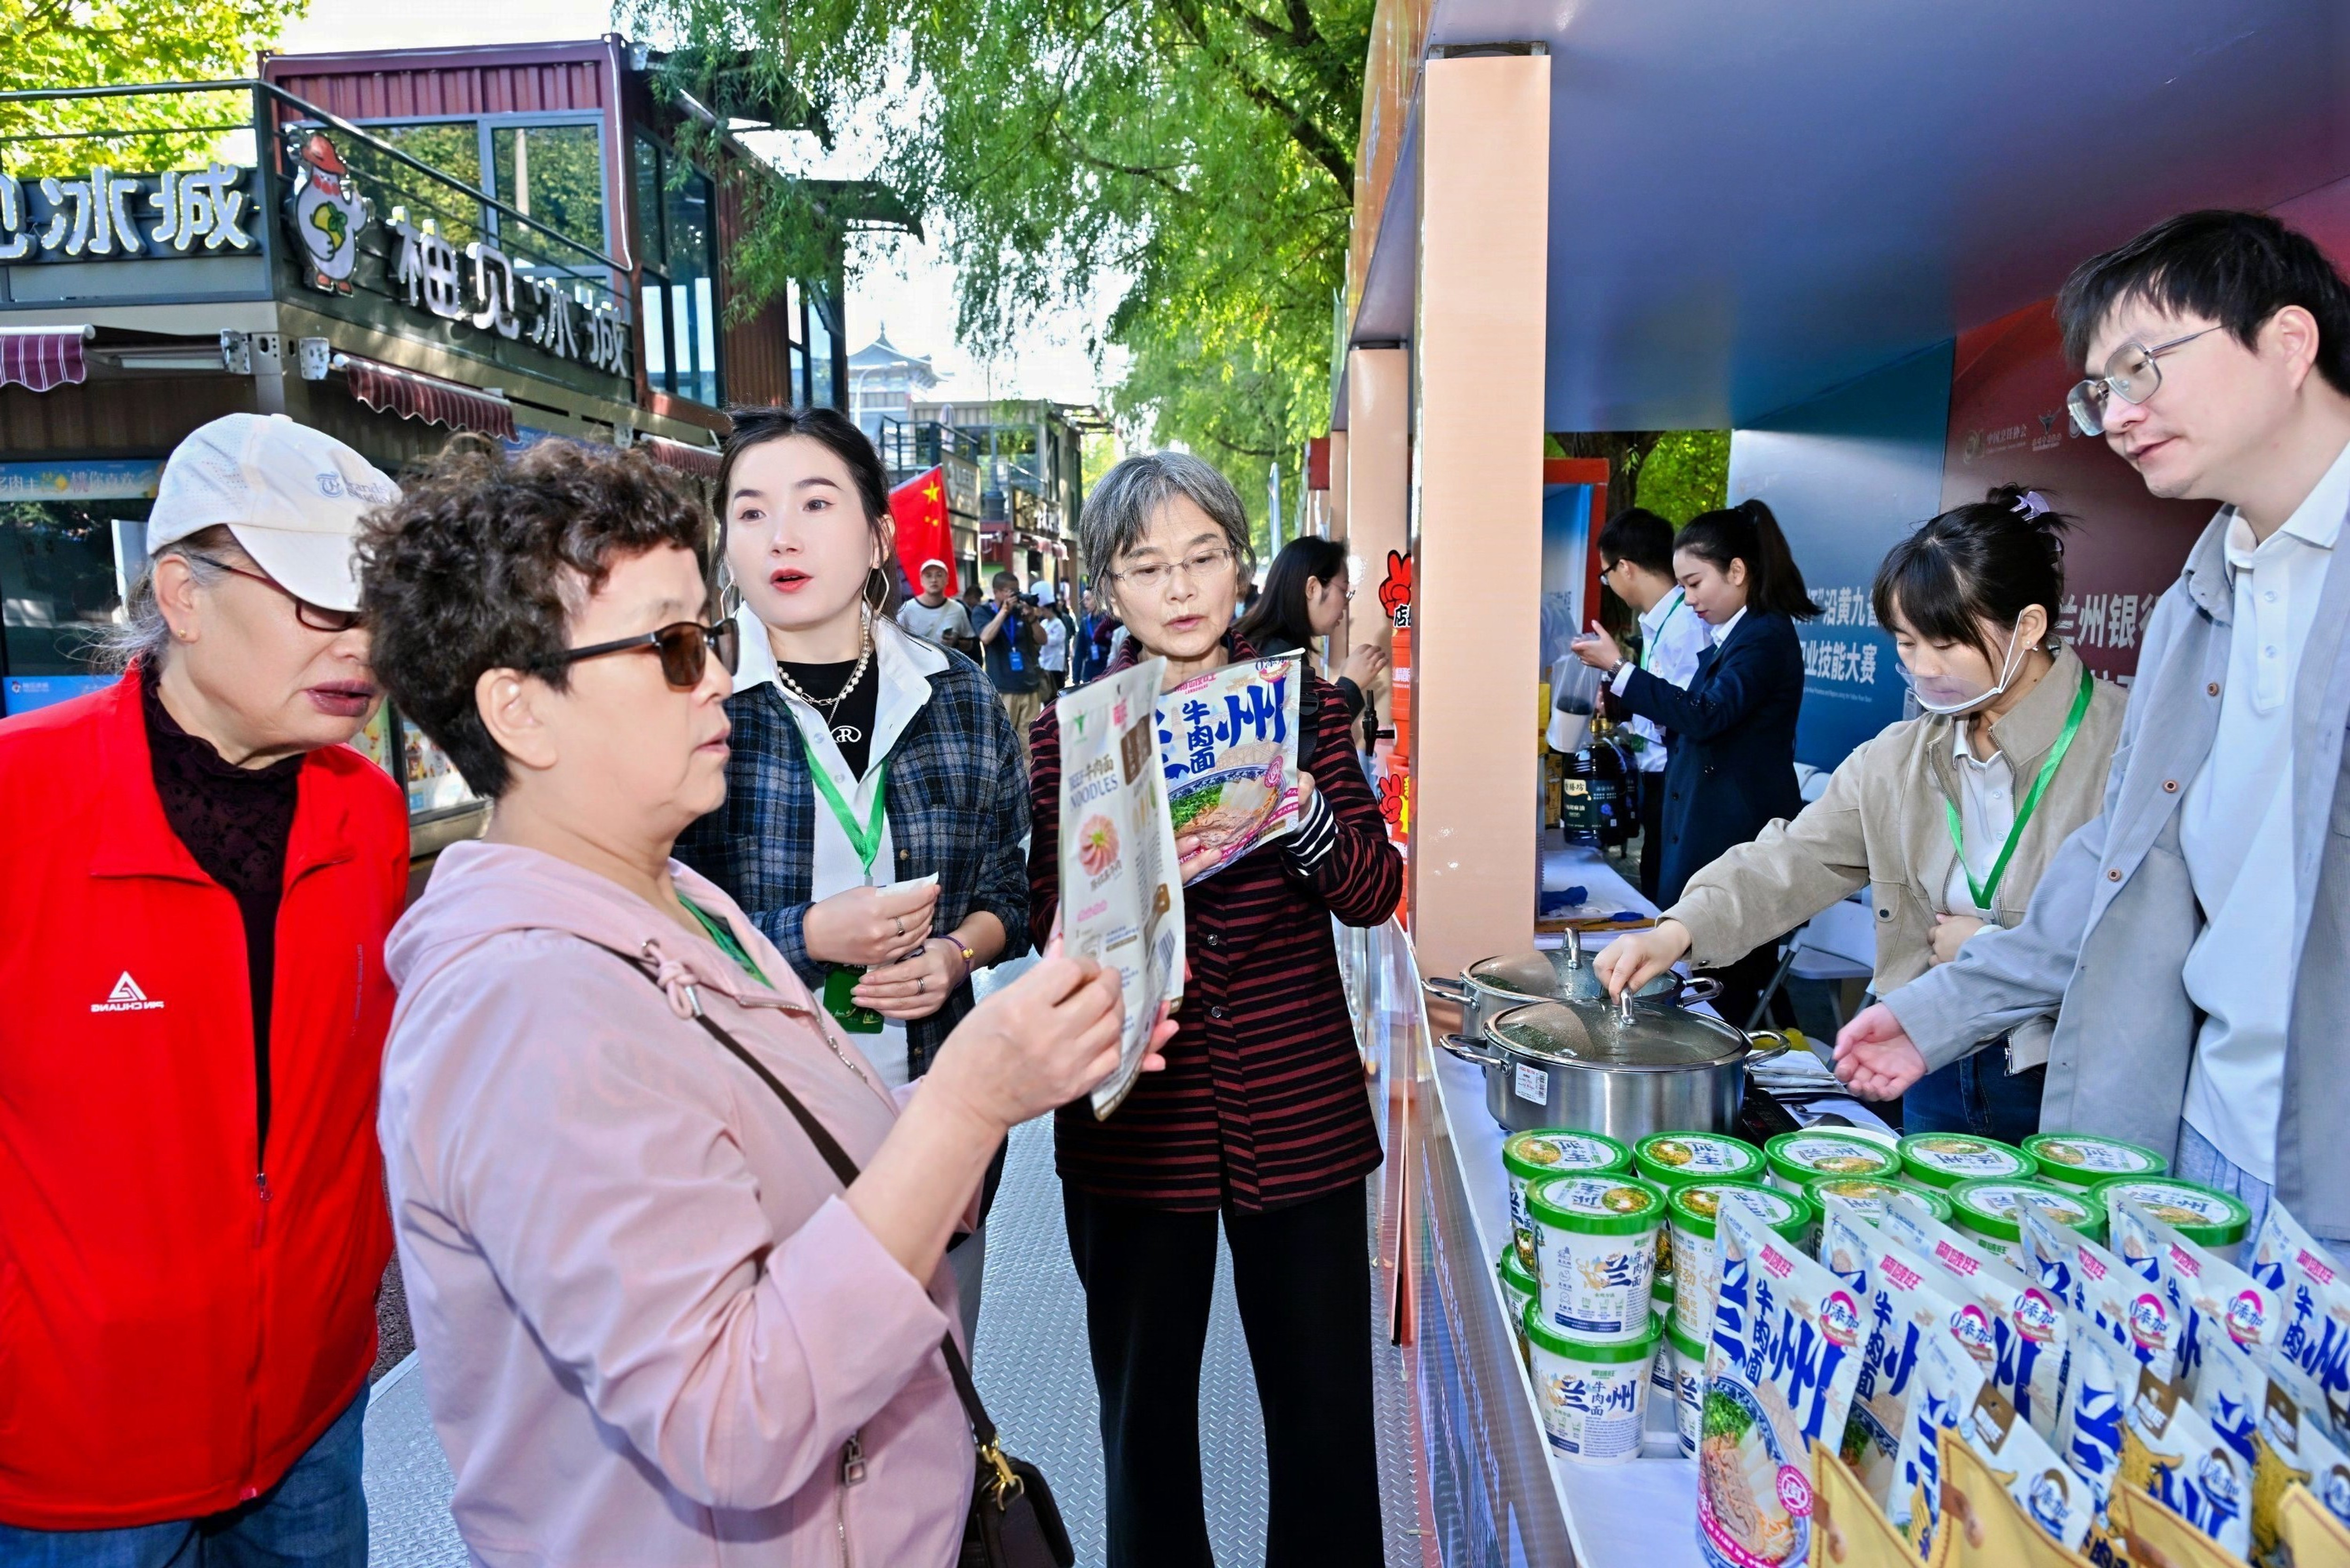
1984, 1525
1905, 1306
2019, 1326
2170, 1452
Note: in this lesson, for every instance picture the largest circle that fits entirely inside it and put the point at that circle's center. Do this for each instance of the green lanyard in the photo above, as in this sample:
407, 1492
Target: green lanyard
1649, 649
1983, 891
864, 837
840, 980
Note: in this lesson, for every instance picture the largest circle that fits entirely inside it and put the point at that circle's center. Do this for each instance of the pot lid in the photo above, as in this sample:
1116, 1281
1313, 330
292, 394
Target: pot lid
1655, 1038
1547, 973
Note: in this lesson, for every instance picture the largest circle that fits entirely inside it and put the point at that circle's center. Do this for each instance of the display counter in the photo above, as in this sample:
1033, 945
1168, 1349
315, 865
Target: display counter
1493, 1489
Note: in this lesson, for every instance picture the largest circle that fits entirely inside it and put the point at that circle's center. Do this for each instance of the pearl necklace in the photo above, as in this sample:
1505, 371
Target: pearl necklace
830, 706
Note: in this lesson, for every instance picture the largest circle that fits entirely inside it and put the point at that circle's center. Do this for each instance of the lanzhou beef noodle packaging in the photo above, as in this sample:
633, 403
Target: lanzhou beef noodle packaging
1227, 741
1904, 1308
1784, 1353
2015, 1326
2312, 1359
2170, 1453
1120, 901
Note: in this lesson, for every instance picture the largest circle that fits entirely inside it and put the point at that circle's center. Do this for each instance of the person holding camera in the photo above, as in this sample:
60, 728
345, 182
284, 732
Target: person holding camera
1011, 640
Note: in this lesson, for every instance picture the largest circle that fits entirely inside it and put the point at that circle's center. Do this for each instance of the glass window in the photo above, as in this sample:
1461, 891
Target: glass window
822, 392
452, 148
676, 247
554, 175
58, 586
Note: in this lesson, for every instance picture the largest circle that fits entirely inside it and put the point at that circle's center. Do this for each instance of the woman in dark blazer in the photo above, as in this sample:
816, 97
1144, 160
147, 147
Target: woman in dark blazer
1732, 729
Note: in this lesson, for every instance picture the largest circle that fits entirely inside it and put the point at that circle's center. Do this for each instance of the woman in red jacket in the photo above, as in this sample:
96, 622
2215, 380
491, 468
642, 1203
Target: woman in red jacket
1262, 1115
193, 1005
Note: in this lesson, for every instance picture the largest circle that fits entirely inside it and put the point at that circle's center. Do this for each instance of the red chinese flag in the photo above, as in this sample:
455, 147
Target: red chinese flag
918, 507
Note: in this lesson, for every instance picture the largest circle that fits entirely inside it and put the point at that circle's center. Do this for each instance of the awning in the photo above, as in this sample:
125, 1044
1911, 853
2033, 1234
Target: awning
701, 462
413, 395
44, 356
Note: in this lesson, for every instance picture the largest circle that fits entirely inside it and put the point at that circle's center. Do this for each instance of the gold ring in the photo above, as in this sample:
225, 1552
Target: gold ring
902, 923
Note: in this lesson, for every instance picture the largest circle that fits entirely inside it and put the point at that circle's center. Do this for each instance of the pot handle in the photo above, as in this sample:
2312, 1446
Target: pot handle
1468, 1050
1448, 989
1700, 988
1780, 1045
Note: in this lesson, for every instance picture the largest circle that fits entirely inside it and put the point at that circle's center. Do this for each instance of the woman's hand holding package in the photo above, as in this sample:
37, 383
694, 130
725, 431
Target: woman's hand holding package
1951, 934
1636, 958
1036, 1045
869, 925
1598, 650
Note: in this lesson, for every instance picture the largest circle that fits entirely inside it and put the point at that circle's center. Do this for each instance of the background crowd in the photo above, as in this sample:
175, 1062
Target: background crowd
687, 1111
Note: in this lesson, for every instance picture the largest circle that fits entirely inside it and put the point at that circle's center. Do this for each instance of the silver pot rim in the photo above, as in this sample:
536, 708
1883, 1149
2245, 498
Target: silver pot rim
1749, 1049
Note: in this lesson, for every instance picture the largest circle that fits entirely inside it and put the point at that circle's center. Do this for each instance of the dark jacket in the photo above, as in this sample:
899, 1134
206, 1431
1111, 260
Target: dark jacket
958, 806
1732, 734
1262, 1102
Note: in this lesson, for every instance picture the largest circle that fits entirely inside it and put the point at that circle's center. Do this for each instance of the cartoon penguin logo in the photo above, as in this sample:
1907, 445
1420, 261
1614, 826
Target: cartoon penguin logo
327, 213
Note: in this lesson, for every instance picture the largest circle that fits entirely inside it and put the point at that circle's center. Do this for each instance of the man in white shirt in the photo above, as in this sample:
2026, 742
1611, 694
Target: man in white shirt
2196, 932
1636, 559
1053, 659
934, 618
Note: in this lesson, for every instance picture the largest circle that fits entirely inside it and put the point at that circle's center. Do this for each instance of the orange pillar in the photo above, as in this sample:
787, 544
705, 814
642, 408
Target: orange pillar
1485, 205
1378, 477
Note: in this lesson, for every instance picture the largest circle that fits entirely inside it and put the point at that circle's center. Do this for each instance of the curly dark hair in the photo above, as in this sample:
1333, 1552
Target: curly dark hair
482, 561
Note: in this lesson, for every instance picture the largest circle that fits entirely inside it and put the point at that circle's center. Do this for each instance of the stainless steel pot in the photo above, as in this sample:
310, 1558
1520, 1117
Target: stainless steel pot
1491, 987
1625, 1071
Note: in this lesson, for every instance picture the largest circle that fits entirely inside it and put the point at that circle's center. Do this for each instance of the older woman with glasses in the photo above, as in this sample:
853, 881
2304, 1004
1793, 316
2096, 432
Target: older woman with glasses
655, 1327
1261, 1119
193, 1006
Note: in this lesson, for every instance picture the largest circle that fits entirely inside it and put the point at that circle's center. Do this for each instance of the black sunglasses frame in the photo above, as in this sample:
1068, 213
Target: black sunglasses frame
332, 620
676, 642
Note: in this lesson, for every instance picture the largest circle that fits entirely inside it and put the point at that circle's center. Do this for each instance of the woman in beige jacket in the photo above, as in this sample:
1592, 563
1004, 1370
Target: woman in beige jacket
1948, 818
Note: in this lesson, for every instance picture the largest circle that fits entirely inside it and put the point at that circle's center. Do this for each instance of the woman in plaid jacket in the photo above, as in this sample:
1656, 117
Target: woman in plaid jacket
876, 799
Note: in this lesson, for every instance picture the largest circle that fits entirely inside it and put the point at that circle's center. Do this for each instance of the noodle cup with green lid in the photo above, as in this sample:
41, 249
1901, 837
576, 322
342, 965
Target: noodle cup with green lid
2204, 1217
1594, 1394
1800, 1158
1529, 1157
1991, 1211
1696, 1210
1945, 1159
1676, 1158
1595, 1252
1868, 1193
2078, 1159
1687, 1356
1518, 1292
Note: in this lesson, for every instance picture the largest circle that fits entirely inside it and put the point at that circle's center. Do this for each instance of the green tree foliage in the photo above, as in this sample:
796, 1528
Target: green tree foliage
1686, 473
1194, 157
108, 43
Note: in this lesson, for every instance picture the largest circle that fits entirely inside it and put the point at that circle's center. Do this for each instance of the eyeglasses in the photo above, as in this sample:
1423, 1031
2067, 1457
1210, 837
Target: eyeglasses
684, 646
1159, 575
317, 618
2131, 375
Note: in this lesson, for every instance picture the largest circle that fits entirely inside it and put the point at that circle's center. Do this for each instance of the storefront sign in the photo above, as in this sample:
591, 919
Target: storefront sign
107, 216
94, 480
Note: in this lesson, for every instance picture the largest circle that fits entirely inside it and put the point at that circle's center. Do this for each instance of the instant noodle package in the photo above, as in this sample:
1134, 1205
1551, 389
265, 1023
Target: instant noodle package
1783, 1356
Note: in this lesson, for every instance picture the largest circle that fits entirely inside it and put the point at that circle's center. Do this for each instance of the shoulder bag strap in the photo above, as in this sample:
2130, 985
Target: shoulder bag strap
982, 1426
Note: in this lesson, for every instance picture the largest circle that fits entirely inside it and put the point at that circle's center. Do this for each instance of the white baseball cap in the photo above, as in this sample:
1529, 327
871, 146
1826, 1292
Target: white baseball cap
925, 565
292, 495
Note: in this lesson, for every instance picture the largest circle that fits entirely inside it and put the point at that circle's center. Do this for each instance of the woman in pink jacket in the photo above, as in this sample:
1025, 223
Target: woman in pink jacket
654, 1327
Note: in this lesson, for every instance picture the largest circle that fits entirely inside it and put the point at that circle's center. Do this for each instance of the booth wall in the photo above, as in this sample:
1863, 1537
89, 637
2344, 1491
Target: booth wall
1847, 474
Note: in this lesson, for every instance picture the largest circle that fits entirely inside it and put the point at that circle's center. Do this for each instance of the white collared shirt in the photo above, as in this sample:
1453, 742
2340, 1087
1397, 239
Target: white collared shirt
1986, 817
2236, 831
1671, 638
1722, 633
906, 664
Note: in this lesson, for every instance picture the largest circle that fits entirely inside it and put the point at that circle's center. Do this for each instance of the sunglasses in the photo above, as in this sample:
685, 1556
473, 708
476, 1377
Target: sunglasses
317, 618
684, 646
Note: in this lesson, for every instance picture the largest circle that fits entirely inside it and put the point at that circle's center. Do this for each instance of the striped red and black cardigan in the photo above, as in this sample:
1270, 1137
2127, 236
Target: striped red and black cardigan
1262, 1102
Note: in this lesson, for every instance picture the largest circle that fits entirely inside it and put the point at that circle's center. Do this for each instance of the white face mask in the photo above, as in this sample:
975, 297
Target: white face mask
1948, 694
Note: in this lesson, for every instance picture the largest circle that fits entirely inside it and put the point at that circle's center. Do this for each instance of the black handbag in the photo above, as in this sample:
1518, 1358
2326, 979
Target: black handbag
1013, 1521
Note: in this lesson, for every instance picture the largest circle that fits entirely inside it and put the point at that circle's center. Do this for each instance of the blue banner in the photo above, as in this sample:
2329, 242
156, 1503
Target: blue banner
1847, 475
26, 692
79, 481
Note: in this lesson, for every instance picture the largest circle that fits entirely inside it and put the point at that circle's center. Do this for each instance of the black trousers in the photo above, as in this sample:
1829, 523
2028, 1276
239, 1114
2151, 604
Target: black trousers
1652, 832
1302, 1274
